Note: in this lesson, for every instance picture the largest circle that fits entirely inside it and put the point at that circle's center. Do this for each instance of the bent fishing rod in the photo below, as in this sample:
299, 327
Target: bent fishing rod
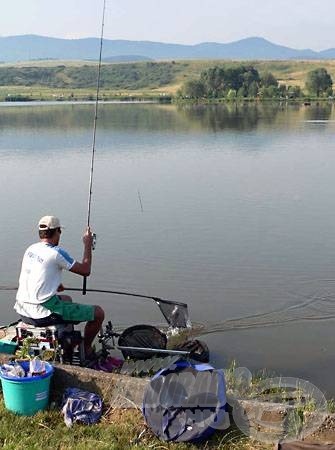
89, 202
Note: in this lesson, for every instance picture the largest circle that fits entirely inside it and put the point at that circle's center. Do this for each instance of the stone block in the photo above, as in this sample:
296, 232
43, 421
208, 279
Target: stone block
116, 390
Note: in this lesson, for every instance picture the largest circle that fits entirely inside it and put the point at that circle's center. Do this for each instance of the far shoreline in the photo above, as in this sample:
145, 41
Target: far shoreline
46, 101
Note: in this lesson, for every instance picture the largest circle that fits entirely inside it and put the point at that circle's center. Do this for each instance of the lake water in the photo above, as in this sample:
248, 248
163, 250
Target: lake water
228, 208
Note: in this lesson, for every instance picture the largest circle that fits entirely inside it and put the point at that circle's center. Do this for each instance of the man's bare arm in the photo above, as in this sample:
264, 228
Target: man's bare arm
84, 267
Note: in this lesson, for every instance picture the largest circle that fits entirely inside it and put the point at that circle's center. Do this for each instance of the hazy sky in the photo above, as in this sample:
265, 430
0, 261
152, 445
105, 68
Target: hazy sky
295, 23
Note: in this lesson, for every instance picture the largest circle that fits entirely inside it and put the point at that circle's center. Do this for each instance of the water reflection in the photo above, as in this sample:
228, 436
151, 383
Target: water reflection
319, 111
161, 118
240, 117
249, 116
80, 116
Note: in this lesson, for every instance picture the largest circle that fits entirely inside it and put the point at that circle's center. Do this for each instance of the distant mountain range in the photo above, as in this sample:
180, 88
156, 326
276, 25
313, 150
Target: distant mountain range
32, 47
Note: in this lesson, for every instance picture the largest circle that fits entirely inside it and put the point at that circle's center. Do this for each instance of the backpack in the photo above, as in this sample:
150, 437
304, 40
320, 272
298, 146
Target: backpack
185, 402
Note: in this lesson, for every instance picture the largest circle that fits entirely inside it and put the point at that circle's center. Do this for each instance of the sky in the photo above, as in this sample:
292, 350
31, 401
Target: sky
294, 23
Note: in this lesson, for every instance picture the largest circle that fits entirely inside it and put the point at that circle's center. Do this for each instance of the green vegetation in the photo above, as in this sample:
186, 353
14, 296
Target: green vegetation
319, 82
57, 80
148, 75
231, 82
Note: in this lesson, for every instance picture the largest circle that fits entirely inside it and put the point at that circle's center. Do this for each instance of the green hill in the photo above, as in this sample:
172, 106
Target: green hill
142, 78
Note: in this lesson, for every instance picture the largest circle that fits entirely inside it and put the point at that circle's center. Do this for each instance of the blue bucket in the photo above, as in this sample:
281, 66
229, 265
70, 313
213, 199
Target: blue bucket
27, 395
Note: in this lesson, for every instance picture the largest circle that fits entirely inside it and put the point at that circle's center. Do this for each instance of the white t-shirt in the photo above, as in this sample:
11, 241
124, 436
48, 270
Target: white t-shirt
40, 277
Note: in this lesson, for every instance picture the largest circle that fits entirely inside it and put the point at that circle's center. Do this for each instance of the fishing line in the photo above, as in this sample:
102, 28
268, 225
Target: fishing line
140, 199
89, 202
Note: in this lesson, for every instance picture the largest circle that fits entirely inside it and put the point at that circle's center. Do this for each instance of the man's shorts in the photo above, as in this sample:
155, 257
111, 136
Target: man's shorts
62, 312
68, 311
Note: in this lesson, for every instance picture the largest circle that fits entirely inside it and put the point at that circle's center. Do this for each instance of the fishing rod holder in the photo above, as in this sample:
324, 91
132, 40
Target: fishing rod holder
106, 334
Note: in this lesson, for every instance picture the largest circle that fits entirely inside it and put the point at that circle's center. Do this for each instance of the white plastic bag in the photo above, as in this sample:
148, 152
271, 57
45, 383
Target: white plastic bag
13, 370
36, 367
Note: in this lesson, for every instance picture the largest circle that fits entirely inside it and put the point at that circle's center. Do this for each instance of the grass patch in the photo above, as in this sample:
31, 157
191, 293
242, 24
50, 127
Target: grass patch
117, 430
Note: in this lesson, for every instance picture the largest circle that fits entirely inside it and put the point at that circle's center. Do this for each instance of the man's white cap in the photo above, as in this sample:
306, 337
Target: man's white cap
49, 223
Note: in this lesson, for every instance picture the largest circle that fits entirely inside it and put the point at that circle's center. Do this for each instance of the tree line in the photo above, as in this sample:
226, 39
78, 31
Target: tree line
245, 81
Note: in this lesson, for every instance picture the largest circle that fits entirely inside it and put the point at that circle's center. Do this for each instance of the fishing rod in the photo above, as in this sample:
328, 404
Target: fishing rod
89, 202
130, 294
175, 312
105, 291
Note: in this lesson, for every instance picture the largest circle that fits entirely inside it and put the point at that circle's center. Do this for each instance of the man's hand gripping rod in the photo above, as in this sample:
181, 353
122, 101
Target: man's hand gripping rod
94, 243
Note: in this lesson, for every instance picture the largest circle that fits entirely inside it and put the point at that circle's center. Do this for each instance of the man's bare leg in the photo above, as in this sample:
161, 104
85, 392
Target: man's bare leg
92, 328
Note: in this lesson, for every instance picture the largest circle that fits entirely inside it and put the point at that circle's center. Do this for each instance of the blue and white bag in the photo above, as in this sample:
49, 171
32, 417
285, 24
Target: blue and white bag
81, 406
185, 402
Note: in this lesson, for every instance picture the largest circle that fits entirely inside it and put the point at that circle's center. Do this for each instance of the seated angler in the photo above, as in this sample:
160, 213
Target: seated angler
38, 301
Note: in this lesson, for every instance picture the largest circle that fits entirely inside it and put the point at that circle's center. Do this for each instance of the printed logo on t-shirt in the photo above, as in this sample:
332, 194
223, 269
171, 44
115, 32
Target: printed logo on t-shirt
35, 257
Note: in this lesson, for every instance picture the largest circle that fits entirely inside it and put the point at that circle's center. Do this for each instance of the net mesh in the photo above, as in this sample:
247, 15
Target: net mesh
176, 314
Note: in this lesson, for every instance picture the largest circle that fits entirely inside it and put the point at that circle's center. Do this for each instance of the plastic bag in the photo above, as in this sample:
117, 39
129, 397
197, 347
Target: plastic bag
81, 406
36, 367
13, 370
